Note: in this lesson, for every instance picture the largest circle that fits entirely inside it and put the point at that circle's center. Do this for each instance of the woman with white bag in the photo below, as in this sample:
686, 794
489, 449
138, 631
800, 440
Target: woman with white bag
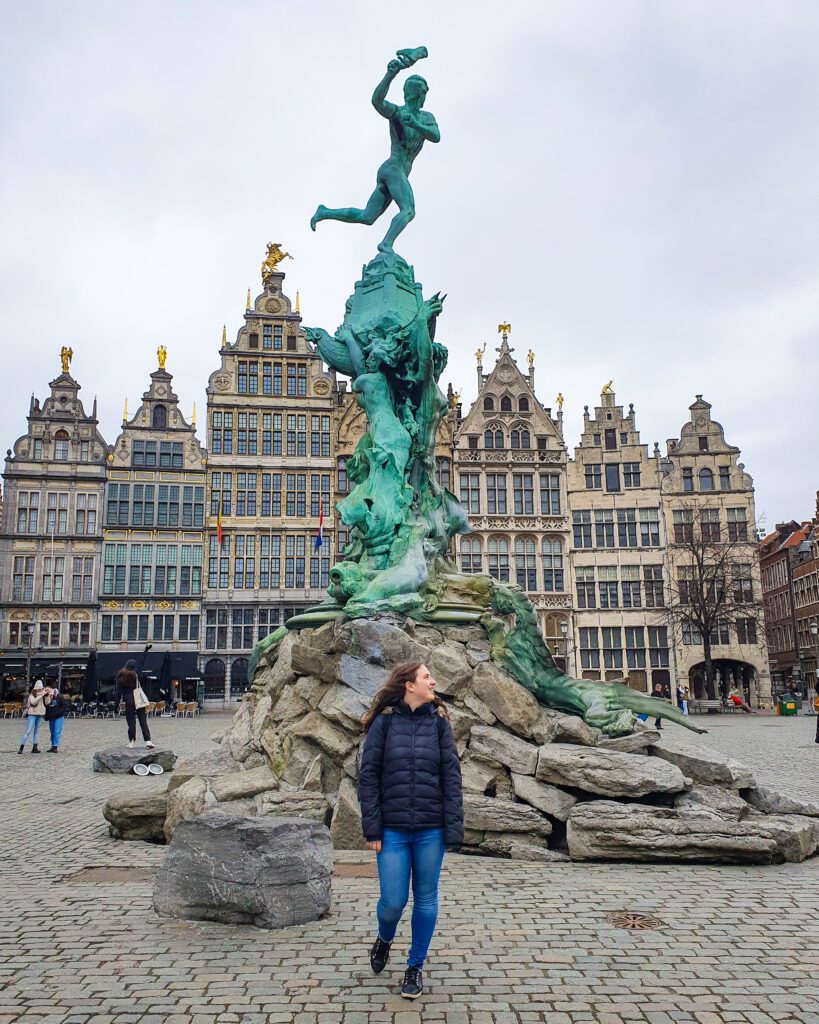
131, 693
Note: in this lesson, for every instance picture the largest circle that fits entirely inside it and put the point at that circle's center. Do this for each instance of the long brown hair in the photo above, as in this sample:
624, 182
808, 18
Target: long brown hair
392, 691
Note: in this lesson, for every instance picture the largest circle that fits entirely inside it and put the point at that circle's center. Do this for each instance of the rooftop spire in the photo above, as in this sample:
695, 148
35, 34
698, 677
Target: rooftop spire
224, 335
298, 303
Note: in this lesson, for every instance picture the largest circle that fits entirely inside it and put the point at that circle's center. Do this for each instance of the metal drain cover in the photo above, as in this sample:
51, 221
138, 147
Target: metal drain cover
101, 875
633, 921
355, 871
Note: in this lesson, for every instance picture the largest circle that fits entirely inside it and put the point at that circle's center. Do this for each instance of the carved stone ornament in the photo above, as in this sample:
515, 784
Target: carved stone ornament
138, 604
222, 382
79, 616
164, 605
321, 387
274, 305
20, 615
112, 604
506, 374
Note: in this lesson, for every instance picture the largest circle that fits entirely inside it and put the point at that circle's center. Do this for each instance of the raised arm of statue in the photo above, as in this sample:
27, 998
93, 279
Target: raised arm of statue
380, 101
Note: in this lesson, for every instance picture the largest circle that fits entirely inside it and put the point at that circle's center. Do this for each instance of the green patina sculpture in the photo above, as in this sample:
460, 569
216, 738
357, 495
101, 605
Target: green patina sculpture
401, 522
410, 128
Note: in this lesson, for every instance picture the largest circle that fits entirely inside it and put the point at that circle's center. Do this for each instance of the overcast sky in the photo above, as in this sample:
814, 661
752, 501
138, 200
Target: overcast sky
634, 186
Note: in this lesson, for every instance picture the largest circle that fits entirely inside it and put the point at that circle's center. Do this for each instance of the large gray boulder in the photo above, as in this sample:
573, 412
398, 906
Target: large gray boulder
299, 804
508, 701
636, 743
450, 669
605, 830
548, 799
607, 772
494, 814
267, 872
379, 642
494, 744
121, 760
771, 802
702, 764
345, 828
557, 727
240, 785
520, 846
137, 815
712, 801
207, 765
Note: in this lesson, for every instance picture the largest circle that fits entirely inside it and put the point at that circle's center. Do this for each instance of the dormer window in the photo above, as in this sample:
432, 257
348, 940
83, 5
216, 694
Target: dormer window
703, 444
506, 404
61, 446
159, 418
488, 404
523, 404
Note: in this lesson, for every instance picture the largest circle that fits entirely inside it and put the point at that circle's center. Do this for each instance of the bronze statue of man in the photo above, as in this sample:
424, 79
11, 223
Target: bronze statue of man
410, 128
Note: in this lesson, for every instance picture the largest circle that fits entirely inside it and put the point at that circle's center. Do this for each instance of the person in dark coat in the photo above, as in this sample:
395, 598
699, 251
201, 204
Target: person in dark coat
409, 787
55, 716
127, 682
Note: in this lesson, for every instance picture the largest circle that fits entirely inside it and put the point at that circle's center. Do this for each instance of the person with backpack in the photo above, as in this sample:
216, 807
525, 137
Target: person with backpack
409, 788
55, 716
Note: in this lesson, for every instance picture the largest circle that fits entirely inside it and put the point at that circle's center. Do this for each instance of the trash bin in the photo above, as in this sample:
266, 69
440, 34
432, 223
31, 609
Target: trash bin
786, 707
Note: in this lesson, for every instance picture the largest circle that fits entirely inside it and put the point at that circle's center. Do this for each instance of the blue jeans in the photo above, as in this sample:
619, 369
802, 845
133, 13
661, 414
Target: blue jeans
55, 727
31, 728
419, 855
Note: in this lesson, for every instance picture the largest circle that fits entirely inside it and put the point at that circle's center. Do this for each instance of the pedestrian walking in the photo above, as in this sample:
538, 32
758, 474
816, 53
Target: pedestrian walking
682, 699
130, 693
35, 709
55, 716
659, 693
411, 808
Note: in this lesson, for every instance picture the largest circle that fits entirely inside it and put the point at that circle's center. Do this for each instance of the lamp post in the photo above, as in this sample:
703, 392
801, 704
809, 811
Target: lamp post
564, 632
813, 626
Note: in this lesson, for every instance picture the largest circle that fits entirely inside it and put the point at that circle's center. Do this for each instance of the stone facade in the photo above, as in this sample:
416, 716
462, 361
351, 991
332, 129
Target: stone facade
509, 469
806, 605
778, 554
271, 409
50, 542
705, 486
617, 552
151, 575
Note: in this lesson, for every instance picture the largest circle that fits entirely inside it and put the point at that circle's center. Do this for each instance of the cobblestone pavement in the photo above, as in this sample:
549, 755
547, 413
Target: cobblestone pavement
516, 942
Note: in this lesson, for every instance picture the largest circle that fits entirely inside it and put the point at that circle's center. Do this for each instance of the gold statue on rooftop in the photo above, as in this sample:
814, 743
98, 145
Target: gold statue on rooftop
274, 257
161, 355
530, 356
479, 352
560, 400
505, 330
607, 388
66, 354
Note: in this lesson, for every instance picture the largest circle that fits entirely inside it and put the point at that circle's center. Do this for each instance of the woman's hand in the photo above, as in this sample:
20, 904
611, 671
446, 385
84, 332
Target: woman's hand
375, 846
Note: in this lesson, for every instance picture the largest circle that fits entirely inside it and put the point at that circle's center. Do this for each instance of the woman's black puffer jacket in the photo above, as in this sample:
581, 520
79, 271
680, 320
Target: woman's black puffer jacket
410, 775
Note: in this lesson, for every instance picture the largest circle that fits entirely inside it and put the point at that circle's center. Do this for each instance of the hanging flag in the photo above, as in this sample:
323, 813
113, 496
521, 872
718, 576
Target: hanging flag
219, 525
320, 534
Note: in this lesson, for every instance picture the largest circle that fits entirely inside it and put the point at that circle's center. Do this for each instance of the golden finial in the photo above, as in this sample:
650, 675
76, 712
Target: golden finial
298, 303
125, 411
607, 388
274, 257
479, 353
559, 400
530, 355
247, 303
66, 354
454, 398
193, 415
505, 330
161, 355
224, 335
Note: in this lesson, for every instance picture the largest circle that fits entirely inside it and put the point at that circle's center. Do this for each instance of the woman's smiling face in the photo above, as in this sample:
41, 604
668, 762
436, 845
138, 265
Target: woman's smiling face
422, 688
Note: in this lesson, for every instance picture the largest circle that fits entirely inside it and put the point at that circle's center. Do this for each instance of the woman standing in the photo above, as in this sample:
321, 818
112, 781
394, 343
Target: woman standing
411, 808
55, 716
127, 682
35, 713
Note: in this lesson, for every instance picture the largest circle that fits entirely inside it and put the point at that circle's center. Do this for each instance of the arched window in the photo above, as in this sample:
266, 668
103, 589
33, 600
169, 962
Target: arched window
506, 404
499, 558
215, 678
238, 676
471, 560
444, 474
61, 446
525, 441
706, 480
159, 419
552, 564
523, 403
489, 404
516, 439
343, 486
525, 568
489, 439
499, 439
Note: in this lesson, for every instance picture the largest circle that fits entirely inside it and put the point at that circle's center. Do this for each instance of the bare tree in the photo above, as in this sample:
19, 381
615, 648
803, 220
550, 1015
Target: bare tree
711, 576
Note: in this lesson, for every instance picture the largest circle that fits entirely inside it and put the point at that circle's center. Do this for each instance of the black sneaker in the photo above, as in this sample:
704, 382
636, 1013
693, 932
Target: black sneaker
413, 983
379, 955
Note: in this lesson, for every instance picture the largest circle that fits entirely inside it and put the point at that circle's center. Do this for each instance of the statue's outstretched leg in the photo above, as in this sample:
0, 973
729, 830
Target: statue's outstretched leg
401, 190
376, 205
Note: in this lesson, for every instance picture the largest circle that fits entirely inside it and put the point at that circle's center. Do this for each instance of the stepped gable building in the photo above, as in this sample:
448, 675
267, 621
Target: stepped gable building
617, 552
708, 495
510, 473
272, 467
50, 539
150, 580
779, 553
806, 605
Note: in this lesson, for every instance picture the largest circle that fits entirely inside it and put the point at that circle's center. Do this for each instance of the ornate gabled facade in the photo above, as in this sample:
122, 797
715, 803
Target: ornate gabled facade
270, 411
510, 473
150, 580
50, 540
706, 491
617, 552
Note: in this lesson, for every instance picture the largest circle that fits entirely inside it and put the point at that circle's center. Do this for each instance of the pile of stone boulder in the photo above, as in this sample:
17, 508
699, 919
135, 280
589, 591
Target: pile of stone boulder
538, 784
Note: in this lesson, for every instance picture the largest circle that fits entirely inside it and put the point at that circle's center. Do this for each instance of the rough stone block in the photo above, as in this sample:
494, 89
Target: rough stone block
137, 814
548, 799
607, 772
494, 814
121, 760
503, 747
